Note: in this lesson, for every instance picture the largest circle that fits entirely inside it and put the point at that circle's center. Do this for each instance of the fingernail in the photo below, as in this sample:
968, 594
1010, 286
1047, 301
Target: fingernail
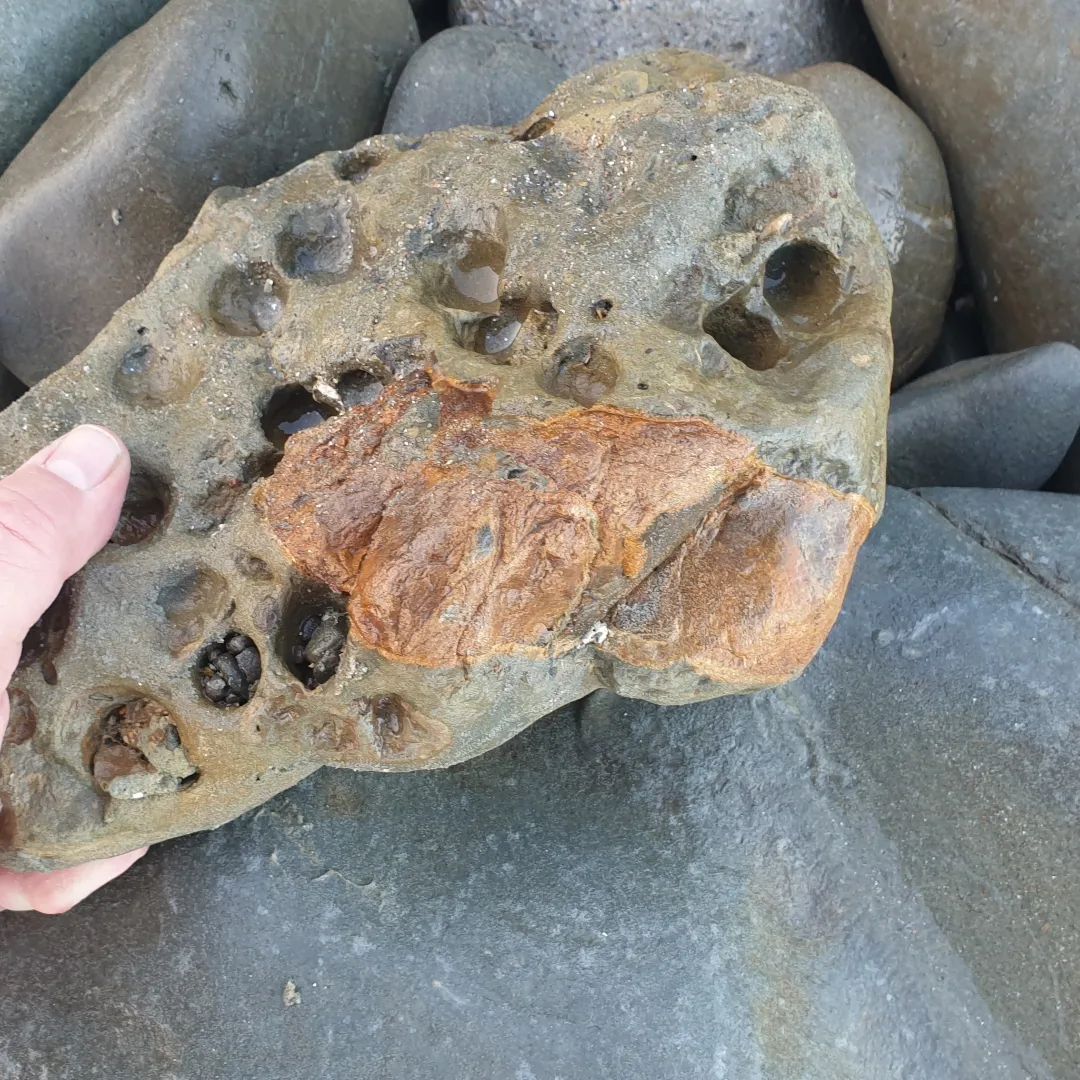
85, 456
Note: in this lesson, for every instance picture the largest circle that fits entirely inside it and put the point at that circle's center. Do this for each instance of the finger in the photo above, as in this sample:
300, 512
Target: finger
56, 511
60, 890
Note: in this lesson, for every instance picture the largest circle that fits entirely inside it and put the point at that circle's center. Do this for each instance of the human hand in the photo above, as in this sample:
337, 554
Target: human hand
56, 511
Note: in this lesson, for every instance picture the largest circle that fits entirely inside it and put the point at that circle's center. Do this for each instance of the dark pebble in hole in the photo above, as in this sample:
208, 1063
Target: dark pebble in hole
584, 371
314, 639
228, 671
145, 509
601, 309
289, 410
353, 165
43, 644
316, 242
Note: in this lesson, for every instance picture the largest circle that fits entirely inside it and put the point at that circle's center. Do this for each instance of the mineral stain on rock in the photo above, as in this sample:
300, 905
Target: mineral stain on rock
448, 433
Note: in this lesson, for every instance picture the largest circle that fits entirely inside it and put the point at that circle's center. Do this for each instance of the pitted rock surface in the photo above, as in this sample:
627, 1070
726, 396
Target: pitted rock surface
431, 438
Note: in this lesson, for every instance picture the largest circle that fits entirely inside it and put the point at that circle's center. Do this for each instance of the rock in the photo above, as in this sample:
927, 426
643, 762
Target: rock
900, 177
619, 394
871, 872
10, 388
771, 36
48, 45
470, 75
989, 80
208, 93
996, 422
1036, 530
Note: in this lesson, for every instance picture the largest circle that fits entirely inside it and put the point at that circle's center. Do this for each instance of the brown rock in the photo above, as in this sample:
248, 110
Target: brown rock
596, 402
900, 176
998, 84
208, 93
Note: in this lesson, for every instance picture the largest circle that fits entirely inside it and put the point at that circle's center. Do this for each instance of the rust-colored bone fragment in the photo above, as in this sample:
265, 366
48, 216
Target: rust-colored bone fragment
458, 535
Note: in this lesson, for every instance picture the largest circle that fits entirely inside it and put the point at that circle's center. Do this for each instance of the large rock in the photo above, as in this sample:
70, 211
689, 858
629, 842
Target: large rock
995, 82
869, 873
470, 75
765, 35
208, 93
604, 404
1039, 531
996, 422
900, 177
48, 45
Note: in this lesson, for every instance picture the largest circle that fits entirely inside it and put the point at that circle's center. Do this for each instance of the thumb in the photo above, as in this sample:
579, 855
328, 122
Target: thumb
56, 511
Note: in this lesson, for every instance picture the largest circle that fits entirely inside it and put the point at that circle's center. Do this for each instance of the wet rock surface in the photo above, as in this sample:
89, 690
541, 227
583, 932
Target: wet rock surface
566, 467
990, 81
207, 94
478, 75
772, 37
48, 46
900, 176
997, 422
871, 872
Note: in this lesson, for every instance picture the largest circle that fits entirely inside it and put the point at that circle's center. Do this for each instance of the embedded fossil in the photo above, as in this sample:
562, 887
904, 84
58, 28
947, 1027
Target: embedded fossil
432, 438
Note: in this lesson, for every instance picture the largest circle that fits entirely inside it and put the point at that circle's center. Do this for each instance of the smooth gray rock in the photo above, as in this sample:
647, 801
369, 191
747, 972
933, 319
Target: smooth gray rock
208, 93
766, 35
47, 46
997, 422
873, 872
1037, 530
998, 82
477, 75
900, 177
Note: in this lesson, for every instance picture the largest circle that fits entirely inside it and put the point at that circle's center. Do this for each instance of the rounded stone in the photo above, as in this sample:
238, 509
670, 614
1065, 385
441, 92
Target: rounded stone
478, 75
900, 176
762, 35
999, 85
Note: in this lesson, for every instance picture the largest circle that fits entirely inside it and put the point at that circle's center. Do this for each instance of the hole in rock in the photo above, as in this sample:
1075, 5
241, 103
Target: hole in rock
748, 337
584, 371
151, 379
145, 510
316, 242
289, 410
359, 388
537, 128
229, 670
248, 300
601, 309
472, 278
802, 282
136, 752
354, 164
313, 635
45, 641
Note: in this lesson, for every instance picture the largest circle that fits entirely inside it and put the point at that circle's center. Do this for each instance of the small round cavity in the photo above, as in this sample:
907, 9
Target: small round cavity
45, 640
289, 410
748, 337
359, 387
316, 242
248, 300
145, 510
313, 638
802, 282
584, 371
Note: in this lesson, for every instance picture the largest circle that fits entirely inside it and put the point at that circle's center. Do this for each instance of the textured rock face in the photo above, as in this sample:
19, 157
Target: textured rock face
478, 75
48, 45
991, 79
766, 35
900, 177
996, 421
603, 404
208, 93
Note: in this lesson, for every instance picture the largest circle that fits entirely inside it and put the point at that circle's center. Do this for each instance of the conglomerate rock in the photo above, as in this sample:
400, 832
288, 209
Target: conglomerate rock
602, 403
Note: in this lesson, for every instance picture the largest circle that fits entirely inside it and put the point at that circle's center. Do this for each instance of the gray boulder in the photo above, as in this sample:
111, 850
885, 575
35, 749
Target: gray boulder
208, 93
48, 45
476, 75
998, 421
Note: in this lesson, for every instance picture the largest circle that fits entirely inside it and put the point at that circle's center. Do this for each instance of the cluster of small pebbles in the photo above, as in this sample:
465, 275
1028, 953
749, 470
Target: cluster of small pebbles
873, 870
